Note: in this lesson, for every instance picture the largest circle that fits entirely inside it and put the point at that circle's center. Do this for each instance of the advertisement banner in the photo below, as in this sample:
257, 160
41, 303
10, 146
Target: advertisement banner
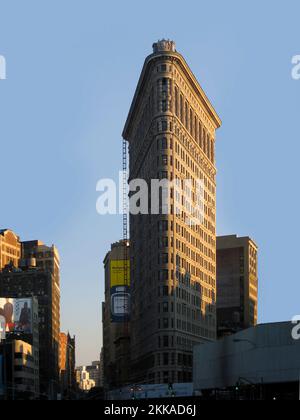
120, 291
15, 316
117, 270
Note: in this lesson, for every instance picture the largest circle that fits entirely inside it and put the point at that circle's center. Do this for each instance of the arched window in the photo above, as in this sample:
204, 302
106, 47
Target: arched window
164, 143
164, 105
203, 143
181, 109
164, 125
196, 128
165, 84
186, 111
200, 134
191, 122
176, 101
208, 146
212, 150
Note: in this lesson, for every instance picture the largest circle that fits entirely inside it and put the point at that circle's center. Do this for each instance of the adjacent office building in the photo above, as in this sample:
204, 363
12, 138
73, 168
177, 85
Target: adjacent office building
47, 289
171, 130
237, 284
116, 316
101, 367
67, 365
47, 260
19, 342
84, 382
94, 372
38, 276
10, 248
19, 370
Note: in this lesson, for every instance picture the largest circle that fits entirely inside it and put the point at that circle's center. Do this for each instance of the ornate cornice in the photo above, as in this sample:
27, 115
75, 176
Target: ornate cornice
171, 55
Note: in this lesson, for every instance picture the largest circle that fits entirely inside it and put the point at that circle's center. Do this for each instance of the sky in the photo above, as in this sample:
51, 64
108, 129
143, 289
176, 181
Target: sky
72, 68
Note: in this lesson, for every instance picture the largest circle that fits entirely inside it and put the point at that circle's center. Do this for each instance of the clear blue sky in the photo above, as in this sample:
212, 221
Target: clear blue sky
72, 67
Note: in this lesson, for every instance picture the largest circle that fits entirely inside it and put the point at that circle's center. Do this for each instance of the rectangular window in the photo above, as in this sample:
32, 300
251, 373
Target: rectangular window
164, 275
166, 341
181, 108
186, 116
164, 160
166, 359
176, 102
164, 126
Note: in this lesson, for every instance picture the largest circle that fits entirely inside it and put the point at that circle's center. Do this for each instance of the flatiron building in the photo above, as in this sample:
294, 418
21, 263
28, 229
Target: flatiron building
171, 131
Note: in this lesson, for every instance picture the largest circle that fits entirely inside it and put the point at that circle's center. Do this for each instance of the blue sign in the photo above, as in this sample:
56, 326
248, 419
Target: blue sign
120, 303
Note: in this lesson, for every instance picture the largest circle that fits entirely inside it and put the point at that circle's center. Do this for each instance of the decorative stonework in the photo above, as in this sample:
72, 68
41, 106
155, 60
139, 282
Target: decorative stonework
164, 45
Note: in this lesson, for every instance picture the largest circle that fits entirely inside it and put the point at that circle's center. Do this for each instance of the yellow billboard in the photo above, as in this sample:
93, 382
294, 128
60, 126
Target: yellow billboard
117, 273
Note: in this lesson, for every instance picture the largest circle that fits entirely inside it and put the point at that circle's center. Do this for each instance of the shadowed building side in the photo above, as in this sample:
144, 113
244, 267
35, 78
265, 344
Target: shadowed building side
237, 284
67, 364
38, 275
10, 248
